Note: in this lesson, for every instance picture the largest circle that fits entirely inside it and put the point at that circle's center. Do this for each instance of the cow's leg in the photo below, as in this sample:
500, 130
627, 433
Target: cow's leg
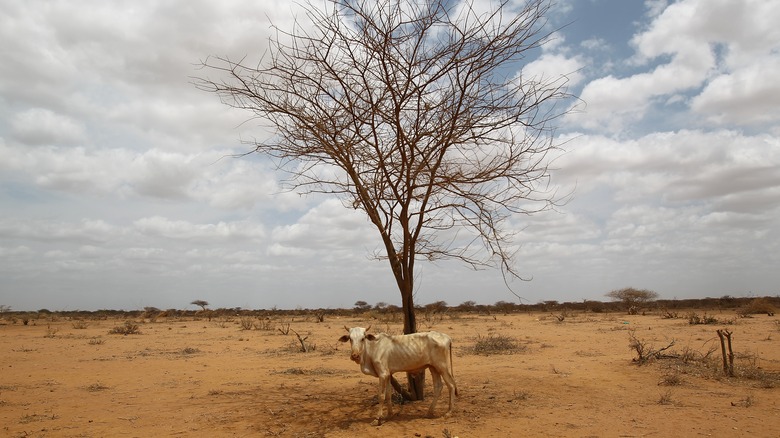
450, 381
389, 396
382, 399
436, 389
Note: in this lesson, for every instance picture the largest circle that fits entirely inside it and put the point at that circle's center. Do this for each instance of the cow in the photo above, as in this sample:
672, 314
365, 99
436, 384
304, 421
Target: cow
381, 355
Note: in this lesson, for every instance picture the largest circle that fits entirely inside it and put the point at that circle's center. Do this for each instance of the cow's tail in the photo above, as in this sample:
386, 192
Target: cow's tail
452, 371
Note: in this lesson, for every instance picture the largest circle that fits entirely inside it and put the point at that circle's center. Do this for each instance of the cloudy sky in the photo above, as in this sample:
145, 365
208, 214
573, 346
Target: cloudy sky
115, 192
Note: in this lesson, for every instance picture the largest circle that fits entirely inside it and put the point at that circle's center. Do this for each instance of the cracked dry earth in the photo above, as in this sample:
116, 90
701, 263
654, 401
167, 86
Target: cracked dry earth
572, 378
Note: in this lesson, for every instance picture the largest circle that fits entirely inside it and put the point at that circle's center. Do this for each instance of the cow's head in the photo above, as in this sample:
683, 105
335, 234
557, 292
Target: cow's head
357, 337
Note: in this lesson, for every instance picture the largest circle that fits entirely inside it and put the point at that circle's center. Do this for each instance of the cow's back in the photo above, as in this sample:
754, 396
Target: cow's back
411, 352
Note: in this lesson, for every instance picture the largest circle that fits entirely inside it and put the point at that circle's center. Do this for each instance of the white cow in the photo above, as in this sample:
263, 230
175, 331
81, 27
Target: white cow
381, 355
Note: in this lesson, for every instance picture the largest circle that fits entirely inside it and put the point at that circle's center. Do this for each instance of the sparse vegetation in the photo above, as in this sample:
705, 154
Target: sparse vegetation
757, 306
96, 387
433, 313
694, 318
247, 323
496, 344
180, 356
296, 371
672, 379
79, 324
668, 314
665, 398
645, 351
284, 328
51, 331
562, 315
264, 324
746, 402
128, 328
305, 346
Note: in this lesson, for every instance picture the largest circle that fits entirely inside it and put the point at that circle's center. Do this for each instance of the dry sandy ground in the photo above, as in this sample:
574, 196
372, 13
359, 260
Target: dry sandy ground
189, 377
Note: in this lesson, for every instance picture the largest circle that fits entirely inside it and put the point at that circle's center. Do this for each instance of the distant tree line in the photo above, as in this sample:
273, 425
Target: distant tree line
620, 304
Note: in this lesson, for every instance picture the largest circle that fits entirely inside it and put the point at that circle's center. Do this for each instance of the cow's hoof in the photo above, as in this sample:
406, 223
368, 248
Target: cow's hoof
377, 422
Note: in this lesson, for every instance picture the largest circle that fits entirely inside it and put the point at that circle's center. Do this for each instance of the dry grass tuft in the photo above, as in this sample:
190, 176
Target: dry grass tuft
694, 319
79, 324
673, 379
95, 387
496, 344
666, 398
128, 328
746, 402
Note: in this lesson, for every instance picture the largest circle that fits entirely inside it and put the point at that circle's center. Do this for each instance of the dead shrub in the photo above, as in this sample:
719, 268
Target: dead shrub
95, 387
309, 372
223, 321
496, 344
128, 328
284, 328
756, 306
666, 398
51, 331
667, 314
645, 351
264, 324
694, 318
673, 379
746, 402
747, 367
79, 324
247, 323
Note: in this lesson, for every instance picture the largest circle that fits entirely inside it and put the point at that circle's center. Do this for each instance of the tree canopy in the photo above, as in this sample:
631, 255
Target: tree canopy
631, 296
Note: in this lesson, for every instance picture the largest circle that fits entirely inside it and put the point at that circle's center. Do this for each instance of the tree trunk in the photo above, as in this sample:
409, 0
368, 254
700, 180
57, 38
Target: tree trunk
416, 381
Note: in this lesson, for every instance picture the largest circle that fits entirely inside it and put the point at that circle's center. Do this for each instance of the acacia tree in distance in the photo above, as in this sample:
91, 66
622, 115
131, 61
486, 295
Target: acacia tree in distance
632, 297
200, 303
410, 111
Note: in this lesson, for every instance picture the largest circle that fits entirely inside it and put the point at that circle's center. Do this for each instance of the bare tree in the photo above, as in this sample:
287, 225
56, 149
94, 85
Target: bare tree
413, 112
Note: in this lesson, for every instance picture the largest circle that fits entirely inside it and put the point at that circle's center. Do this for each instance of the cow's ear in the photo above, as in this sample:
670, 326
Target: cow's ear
370, 337
344, 338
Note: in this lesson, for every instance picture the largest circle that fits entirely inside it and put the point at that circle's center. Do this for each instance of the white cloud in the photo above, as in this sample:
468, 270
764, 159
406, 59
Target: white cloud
328, 229
686, 166
553, 67
85, 231
162, 174
744, 97
595, 44
183, 230
40, 126
725, 48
